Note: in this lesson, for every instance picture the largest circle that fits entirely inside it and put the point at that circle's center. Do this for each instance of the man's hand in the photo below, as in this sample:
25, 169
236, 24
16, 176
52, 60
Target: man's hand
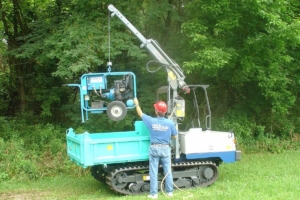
136, 101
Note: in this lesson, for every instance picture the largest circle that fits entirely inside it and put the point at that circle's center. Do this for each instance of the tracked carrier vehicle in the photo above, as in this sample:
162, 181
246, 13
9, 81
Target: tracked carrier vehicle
120, 159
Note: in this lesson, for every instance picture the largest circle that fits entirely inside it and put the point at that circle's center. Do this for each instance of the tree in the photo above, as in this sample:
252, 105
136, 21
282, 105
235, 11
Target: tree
248, 52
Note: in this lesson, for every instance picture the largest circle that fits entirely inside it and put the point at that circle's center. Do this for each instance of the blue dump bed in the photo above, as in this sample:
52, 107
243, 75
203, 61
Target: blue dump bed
90, 149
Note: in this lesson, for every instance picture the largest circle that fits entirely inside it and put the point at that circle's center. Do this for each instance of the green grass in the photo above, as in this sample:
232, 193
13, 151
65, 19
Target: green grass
257, 176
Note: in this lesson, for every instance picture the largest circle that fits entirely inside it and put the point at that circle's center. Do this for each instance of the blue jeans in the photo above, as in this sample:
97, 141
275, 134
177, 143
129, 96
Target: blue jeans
160, 154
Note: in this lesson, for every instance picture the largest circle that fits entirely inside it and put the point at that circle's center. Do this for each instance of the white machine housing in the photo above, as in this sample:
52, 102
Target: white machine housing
196, 143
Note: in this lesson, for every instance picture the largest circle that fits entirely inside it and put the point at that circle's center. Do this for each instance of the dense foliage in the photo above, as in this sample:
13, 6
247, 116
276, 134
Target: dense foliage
247, 51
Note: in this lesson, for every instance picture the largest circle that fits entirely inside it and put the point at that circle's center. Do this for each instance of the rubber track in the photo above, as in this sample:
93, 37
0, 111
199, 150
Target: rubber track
183, 165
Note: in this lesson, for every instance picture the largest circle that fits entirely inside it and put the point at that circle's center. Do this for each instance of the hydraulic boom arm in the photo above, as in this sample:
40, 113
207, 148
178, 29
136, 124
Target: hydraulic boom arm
172, 67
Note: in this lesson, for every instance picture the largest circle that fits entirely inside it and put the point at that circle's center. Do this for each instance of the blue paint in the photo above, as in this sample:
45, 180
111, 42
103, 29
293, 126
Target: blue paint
225, 156
109, 148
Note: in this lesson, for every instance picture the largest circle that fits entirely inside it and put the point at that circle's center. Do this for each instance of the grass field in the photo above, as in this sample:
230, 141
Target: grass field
256, 176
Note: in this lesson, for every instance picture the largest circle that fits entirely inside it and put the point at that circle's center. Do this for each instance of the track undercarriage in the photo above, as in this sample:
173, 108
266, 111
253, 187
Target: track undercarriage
133, 178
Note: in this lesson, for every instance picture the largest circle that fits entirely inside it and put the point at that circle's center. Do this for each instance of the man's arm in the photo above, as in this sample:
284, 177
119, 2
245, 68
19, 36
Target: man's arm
138, 108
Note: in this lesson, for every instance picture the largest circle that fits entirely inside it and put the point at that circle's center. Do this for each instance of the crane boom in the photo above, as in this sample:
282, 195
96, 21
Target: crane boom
157, 52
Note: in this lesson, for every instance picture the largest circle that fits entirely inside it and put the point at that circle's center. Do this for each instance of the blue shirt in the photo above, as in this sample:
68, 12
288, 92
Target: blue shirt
161, 129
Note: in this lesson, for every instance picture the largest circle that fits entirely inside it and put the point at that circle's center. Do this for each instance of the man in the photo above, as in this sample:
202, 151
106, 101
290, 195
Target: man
161, 131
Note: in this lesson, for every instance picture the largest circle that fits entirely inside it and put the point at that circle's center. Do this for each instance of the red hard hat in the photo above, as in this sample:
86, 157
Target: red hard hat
161, 107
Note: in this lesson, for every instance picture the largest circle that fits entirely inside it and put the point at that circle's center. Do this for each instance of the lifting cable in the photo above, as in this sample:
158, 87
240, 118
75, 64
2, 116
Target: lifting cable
109, 63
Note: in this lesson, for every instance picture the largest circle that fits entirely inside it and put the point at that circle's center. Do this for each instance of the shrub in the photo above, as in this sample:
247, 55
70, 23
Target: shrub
33, 152
253, 137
